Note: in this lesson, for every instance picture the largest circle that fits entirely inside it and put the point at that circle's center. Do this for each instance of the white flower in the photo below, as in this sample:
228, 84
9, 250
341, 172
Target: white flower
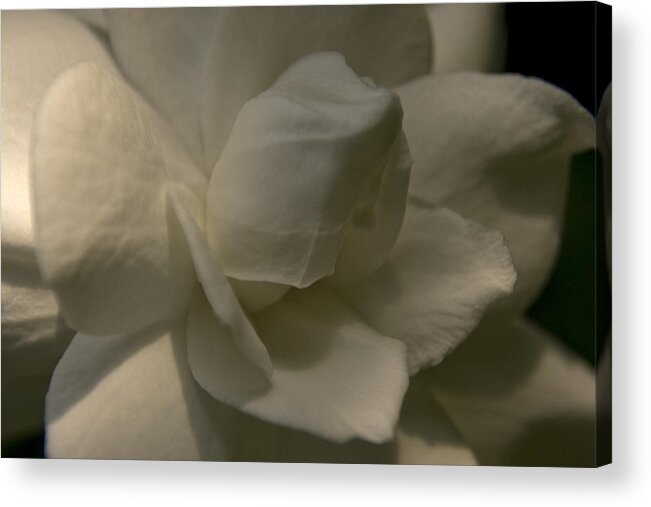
128, 208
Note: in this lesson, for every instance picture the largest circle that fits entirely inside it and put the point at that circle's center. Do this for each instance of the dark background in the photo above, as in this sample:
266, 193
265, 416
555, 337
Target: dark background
560, 43
556, 42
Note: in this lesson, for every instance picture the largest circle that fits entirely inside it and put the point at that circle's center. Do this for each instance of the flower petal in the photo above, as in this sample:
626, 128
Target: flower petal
162, 52
441, 276
132, 397
425, 434
333, 375
108, 241
519, 398
36, 47
33, 339
391, 44
310, 156
222, 369
467, 37
497, 149
258, 440
237, 329
365, 248
92, 17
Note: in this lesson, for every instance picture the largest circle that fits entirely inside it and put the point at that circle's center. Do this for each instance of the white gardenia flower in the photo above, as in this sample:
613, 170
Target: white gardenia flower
263, 220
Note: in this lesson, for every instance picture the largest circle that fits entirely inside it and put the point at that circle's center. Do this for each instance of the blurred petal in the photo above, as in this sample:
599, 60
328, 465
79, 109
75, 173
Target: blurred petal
304, 160
258, 440
30, 312
333, 375
441, 276
92, 17
390, 44
162, 52
425, 434
33, 339
467, 37
519, 398
497, 149
132, 397
36, 47
108, 242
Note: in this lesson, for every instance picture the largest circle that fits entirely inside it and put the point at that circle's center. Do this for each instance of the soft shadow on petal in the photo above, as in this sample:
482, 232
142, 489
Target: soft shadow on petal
258, 440
217, 362
425, 434
163, 53
303, 170
367, 246
497, 149
225, 373
439, 279
333, 375
108, 241
92, 17
36, 46
235, 332
518, 397
467, 37
33, 339
30, 313
133, 397
391, 44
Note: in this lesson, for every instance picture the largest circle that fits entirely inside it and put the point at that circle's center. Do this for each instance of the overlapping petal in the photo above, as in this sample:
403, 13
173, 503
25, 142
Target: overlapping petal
390, 44
260, 441
243, 345
163, 53
368, 243
30, 62
33, 339
36, 46
497, 149
108, 242
311, 154
442, 274
133, 397
112, 185
518, 397
320, 350
94, 18
426, 435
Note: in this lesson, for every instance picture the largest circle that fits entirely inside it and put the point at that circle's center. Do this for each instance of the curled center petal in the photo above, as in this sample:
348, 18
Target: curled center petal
303, 168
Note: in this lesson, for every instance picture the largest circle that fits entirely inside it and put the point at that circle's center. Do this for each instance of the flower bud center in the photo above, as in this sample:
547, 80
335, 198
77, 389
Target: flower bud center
303, 167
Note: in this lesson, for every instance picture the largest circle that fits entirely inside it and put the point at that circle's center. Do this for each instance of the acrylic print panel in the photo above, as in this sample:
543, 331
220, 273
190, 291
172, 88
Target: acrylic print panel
338, 234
